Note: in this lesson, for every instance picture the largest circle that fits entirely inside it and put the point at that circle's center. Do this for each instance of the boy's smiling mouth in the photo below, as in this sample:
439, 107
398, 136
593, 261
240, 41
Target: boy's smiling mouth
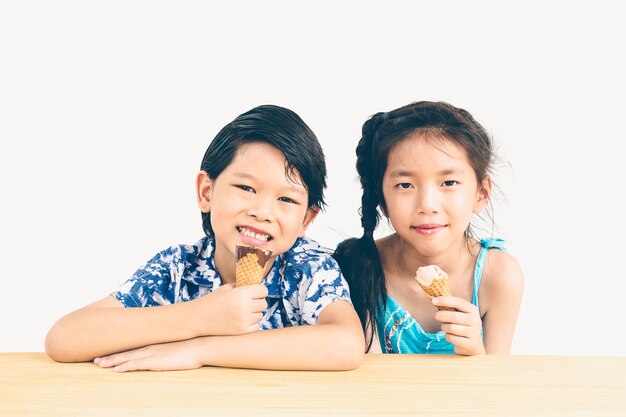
254, 234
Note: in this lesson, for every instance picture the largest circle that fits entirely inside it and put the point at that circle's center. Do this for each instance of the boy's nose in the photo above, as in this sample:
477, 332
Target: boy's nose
261, 210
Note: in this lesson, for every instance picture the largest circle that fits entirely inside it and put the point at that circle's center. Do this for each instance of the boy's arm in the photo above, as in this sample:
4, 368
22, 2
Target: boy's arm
336, 342
106, 327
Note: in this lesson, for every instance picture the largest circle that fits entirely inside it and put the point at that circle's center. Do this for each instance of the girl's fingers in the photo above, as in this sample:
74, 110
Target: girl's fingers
464, 345
458, 330
457, 317
457, 303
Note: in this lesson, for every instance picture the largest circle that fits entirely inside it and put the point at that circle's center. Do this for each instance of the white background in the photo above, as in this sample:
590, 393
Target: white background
106, 109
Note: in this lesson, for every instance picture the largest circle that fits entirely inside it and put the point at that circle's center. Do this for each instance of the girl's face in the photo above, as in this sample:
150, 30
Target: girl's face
431, 192
253, 203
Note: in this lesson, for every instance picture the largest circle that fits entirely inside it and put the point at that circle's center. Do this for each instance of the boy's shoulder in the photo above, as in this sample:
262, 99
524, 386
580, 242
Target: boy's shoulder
305, 249
308, 254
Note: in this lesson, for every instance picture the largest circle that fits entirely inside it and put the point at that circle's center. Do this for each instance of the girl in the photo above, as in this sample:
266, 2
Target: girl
261, 184
426, 166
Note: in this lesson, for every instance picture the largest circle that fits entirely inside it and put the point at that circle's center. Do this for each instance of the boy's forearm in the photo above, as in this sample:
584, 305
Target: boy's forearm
96, 331
320, 347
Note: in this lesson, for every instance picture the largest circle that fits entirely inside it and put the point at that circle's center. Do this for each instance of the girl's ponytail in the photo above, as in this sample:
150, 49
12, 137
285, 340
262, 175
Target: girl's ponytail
358, 259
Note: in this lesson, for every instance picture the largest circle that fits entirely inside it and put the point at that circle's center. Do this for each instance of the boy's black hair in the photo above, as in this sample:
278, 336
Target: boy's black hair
280, 128
359, 259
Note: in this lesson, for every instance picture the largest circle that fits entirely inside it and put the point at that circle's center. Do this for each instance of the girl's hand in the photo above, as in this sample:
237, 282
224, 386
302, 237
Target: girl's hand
462, 327
163, 357
230, 311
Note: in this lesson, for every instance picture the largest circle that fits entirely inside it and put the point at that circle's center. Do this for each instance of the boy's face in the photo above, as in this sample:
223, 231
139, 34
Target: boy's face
253, 203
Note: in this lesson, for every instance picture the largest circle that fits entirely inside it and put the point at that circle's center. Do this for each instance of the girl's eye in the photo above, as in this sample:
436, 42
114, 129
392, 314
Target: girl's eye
449, 183
404, 185
288, 200
245, 187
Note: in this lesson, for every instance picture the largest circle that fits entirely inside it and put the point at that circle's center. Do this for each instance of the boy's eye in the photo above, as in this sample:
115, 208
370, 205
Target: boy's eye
244, 187
404, 185
449, 183
288, 200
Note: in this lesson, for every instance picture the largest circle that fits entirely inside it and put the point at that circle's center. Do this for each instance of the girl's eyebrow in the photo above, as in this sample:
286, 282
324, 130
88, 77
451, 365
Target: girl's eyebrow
443, 172
451, 171
400, 173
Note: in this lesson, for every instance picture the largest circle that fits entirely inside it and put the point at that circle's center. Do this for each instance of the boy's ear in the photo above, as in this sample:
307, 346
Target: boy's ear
204, 188
483, 194
311, 213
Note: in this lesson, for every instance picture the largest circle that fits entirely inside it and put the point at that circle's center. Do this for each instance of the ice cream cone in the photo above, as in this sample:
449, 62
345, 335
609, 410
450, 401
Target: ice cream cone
434, 282
251, 265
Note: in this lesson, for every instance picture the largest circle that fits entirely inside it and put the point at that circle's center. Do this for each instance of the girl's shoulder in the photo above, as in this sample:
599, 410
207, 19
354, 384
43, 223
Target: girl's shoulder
502, 273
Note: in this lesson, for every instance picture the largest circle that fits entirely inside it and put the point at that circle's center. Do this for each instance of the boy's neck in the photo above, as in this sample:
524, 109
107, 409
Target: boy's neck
225, 266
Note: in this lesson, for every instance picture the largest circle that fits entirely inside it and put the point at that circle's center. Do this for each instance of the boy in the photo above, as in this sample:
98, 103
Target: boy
261, 184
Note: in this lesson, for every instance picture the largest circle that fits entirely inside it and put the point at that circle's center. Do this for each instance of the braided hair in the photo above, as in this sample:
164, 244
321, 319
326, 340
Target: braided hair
358, 257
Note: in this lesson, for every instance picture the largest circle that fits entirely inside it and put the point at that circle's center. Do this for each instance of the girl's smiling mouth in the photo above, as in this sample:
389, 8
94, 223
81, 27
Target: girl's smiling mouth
429, 229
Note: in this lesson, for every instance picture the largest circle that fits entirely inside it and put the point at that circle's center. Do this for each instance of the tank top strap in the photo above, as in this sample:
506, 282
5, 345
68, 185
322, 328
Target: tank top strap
486, 244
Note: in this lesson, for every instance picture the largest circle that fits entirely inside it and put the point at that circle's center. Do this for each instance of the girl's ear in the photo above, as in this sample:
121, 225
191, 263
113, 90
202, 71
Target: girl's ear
483, 194
311, 213
204, 188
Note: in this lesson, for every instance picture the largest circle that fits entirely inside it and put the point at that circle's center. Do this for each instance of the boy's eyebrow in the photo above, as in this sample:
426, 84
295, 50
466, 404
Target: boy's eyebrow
244, 175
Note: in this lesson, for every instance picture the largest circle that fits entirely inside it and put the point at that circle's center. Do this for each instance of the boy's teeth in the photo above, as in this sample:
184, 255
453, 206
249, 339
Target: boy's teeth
252, 234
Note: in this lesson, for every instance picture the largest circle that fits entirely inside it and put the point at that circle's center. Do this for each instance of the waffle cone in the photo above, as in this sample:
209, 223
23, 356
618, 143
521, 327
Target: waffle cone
437, 288
251, 265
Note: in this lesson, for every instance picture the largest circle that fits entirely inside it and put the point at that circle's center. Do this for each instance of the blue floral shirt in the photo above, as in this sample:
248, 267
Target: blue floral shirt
300, 284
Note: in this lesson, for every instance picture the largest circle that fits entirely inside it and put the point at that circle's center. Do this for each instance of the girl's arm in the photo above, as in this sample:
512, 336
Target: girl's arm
106, 327
336, 342
502, 295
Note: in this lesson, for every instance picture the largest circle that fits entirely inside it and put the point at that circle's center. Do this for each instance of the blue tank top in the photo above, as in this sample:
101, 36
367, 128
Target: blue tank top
398, 332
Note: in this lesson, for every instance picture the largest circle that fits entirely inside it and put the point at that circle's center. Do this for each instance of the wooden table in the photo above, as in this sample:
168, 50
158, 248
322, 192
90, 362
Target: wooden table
31, 384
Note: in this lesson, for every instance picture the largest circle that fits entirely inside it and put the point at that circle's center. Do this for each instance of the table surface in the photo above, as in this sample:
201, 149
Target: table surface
398, 385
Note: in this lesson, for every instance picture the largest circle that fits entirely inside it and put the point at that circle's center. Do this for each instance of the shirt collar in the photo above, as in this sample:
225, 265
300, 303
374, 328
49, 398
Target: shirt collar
200, 267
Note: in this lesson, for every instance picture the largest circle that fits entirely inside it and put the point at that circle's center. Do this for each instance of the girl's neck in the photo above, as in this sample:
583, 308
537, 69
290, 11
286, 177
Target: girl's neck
407, 259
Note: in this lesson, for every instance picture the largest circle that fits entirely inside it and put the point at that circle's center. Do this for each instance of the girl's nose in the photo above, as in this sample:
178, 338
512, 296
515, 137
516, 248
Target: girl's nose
427, 203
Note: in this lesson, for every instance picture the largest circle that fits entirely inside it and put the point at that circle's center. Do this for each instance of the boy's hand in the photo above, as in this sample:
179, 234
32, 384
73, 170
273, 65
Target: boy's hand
462, 327
231, 311
162, 357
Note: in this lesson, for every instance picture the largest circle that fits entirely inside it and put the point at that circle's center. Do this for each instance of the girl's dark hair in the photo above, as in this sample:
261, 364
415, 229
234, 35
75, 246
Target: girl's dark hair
359, 258
284, 130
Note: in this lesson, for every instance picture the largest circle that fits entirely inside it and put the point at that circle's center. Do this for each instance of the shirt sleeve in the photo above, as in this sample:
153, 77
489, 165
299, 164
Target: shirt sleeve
324, 285
152, 284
